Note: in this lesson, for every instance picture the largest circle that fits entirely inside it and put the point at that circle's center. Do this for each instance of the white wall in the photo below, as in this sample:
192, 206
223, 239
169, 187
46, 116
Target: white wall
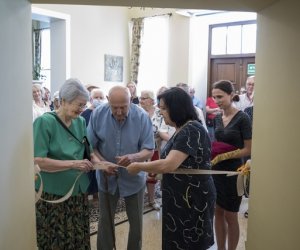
17, 212
95, 31
274, 221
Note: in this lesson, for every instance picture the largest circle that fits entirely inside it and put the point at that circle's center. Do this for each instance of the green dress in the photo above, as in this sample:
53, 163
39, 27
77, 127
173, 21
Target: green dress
64, 225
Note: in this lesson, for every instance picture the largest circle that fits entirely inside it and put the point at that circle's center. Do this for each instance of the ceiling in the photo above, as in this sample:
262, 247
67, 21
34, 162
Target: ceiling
231, 5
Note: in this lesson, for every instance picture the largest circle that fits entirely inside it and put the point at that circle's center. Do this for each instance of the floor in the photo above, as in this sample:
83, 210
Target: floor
152, 231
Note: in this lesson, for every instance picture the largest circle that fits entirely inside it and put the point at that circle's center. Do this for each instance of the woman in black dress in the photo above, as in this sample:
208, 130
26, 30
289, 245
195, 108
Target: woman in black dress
188, 200
232, 127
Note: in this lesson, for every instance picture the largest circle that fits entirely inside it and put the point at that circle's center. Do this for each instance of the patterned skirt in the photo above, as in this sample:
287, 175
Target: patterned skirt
64, 225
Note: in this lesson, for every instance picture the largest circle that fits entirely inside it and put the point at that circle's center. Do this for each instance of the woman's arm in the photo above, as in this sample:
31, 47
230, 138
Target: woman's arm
51, 165
170, 164
164, 136
246, 150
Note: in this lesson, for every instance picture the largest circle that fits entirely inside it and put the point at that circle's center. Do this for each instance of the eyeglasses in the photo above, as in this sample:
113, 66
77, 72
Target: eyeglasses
144, 98
79, 106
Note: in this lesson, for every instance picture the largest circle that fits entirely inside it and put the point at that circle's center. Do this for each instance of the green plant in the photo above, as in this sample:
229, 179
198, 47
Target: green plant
36, 72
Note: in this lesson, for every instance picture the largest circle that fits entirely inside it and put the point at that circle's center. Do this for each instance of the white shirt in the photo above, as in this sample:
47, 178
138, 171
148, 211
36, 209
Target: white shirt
38, 111
244, 102
201, 117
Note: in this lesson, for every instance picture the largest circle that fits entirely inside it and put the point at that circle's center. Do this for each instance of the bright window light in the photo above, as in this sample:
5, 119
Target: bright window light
153, 70
45, 56
218, 43
249, 38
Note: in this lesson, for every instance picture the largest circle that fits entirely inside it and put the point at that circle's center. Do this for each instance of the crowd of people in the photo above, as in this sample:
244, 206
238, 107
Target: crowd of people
135, 139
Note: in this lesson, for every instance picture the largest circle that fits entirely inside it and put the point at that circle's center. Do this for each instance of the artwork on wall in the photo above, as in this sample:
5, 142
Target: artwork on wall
113, 68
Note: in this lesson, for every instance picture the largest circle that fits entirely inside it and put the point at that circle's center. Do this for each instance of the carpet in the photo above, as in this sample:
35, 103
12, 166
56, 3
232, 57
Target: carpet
120, 216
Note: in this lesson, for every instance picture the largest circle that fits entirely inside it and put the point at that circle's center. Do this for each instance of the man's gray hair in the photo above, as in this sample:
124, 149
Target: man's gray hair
71, 89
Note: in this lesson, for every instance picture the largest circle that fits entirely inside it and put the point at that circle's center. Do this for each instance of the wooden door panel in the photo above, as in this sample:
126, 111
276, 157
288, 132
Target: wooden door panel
232, 69
226, 69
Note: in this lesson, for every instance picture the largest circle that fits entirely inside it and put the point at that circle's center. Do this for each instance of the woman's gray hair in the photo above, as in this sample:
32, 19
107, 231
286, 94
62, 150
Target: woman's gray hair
71, 89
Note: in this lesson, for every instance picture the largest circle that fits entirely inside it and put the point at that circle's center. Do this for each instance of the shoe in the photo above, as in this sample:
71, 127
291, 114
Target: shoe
246, 214
154, 205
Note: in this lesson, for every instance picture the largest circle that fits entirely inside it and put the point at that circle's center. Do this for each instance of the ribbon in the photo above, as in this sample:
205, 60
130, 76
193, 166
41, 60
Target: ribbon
99, 166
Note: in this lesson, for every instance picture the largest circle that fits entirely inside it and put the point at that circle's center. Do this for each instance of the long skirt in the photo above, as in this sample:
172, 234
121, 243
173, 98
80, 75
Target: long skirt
64, 225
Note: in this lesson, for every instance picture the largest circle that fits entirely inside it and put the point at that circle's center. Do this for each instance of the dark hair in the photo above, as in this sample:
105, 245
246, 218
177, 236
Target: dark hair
227, 87
179, 105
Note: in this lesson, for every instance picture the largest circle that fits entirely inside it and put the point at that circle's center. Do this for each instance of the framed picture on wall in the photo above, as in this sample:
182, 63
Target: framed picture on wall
113, 68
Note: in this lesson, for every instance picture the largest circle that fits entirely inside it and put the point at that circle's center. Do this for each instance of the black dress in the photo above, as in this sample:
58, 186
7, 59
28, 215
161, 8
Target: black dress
188, 200
236, 131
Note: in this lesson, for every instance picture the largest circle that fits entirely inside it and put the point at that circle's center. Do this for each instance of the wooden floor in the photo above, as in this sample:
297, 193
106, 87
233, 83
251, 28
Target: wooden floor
152, 231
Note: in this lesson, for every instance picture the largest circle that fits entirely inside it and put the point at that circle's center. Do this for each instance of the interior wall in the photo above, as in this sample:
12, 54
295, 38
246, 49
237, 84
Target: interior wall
274, 201
95, 31
60, 57
17, 212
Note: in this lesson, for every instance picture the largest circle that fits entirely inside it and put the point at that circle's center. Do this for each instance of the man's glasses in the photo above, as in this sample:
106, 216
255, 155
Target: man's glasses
144, 98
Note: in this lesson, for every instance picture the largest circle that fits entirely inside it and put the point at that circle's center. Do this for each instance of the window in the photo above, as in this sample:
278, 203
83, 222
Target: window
45, 56
230, 39
153, 70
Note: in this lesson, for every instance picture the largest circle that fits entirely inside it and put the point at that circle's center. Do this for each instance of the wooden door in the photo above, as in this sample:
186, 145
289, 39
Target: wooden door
232, 69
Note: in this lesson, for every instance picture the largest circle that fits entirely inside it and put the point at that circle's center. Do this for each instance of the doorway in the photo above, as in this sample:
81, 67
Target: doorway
234, 69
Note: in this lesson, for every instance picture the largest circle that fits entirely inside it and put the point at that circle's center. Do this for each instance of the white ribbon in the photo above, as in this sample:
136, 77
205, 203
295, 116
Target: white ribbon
99, 166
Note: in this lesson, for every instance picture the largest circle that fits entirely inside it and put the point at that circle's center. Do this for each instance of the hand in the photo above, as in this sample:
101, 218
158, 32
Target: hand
108, 167
245, 169
83, 165
225, 156
125, 160
133, 168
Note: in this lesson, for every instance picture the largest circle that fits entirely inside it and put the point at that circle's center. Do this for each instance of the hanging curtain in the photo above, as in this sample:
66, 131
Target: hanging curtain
137, 33
37, 46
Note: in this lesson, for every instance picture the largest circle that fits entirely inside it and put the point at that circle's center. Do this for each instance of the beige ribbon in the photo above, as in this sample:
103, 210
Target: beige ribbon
239, 182
99, 166
38, 194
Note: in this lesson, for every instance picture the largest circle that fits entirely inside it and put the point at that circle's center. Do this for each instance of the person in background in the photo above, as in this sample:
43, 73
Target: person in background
55, 101
232, 127
171, 130
212, 109
133, 92
199, 111
160, 132
121, 133
60, 157
188, 199
196, 101
46, 96
38, 105
246, 99
97, 97
89, 88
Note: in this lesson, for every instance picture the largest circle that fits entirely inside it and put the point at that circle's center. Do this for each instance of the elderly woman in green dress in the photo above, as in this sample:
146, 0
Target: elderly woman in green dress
60, 157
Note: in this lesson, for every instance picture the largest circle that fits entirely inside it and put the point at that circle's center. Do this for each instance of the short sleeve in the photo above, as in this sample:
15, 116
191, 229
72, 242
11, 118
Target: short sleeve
246, 127
41, 137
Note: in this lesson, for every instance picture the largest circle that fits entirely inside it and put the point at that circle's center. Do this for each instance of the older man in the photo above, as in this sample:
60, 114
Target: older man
121, 133
246, 99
